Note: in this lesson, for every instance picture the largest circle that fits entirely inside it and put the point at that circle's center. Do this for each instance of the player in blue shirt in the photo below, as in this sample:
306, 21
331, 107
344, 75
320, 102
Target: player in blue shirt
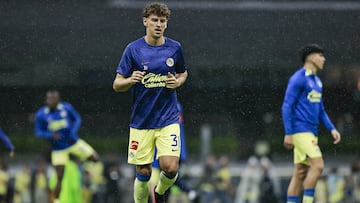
303, 110
152, 67
59, 122
7, 143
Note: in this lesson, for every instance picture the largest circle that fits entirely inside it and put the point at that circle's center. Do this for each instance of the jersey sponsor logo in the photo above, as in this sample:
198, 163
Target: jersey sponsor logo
134, 145
57, 125
152, 80
314, 96
170, 62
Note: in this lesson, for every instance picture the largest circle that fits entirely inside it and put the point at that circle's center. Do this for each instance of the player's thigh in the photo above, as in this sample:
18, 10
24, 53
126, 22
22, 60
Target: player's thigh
82, 150
300, 171
168, 141
60, 157
141, 146
305, 146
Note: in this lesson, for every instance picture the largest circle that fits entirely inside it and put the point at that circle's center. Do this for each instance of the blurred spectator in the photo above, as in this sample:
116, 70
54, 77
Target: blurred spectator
354, 183
269, 185
87, 193
4, 179
97, 180
22, 185
248, 189
321, 191
207, 187
112, 176
223, 186
336, 186
39, 186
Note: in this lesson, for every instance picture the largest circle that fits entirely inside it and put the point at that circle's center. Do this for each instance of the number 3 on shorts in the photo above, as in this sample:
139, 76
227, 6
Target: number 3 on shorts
175, 140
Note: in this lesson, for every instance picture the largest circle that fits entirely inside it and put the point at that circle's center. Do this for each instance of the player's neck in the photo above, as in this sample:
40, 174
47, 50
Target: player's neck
154, 41
311, 67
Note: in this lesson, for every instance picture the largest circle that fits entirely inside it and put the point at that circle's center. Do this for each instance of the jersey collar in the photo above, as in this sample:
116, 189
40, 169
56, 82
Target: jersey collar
58, 107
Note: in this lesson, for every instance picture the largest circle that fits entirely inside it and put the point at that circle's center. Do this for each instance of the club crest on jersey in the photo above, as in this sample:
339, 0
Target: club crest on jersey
63, 114
319, 83
170, 62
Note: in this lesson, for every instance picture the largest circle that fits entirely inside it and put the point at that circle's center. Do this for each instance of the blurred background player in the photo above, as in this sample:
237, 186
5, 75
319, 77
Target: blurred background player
153, 67
180, 182
302, 111
7, 143
59, 123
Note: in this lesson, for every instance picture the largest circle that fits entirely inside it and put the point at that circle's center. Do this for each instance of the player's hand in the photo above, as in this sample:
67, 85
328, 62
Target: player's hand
136, 77
171, 81
336, 135
288, 142
56, 136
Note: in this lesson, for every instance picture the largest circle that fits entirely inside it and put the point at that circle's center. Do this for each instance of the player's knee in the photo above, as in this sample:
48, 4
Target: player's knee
144, 170
170, 168
319, 167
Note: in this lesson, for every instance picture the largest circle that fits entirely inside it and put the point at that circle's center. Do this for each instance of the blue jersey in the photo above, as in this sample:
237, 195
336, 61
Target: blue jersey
154, 105
6, 141
64, 120
183, 151
303, 107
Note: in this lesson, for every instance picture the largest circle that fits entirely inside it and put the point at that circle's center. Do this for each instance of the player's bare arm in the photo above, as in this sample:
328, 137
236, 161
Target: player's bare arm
122, 84
336, 135
175, 81
288, 142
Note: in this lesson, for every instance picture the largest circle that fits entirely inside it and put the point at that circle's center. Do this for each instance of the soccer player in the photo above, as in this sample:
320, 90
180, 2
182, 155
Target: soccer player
302, 111
7, 143
59, 122
152, 67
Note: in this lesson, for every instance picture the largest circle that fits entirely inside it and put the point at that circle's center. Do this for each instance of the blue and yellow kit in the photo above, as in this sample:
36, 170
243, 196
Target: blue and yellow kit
154, 106
64, 120
303, 107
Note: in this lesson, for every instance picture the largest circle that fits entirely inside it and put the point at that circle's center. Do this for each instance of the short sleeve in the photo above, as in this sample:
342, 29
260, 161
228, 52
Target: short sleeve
125, 65
180, 66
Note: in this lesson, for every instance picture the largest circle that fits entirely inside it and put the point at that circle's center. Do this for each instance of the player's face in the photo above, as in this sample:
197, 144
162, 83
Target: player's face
52, 99
155, 26
318, 60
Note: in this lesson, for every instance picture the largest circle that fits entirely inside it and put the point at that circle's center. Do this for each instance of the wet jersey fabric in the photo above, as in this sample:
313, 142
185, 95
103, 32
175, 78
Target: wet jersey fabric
154, 106
303, 108
64, 120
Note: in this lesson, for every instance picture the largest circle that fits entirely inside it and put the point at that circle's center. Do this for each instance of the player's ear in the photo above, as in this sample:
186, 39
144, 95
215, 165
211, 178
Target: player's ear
145, 21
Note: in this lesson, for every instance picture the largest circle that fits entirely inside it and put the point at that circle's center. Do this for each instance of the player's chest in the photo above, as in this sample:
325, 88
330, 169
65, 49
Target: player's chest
313, 90
313, 84
56, 116
155, 61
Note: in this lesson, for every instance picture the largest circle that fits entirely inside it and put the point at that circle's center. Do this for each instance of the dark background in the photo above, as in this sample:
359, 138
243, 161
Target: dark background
239, 61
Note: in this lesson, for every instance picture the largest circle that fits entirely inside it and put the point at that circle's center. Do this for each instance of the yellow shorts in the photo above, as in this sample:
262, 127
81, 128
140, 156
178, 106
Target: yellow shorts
305, 146
142, 144
80, 149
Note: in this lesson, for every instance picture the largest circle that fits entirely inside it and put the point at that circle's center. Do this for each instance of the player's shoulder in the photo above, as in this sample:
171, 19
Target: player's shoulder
299, 75
172, 42
136, 43
41, 111
65, 105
